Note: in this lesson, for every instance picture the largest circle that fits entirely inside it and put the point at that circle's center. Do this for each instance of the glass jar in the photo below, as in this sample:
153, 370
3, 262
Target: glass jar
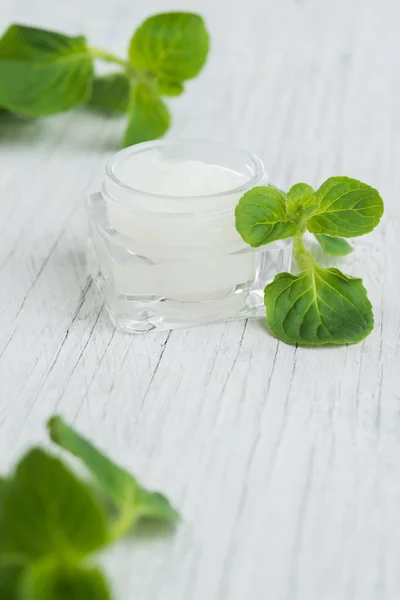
167, 262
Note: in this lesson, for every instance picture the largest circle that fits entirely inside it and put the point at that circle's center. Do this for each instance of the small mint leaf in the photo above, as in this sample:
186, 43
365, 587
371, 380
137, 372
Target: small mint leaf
300, 197
346, 208
333, 245
149, 117
170, 88
262, 217
153, 505
172, 46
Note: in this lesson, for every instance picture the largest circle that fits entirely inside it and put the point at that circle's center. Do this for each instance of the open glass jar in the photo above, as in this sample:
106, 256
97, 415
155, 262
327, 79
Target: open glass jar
169, 261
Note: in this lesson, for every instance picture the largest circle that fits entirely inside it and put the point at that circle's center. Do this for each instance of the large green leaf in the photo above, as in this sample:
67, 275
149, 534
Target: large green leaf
346, 208
110, 92
129, 497
149, 117
47, 580
335, 246
43, 72
262, 217
318, 306
49, 512
173, 46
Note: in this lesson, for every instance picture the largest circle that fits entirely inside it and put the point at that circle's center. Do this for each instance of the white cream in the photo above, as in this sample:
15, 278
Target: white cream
183, 178
170, 208
167, 225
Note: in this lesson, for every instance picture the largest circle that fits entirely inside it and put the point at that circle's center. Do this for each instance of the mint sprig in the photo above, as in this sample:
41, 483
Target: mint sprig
318, 305
45, 72
131, 501
51, 521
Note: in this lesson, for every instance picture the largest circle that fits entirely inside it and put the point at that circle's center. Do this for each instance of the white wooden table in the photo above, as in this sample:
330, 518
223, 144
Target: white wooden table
284, 462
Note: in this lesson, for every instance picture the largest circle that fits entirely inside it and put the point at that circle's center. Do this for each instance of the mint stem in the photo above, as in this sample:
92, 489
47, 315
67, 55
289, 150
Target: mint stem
124, 523
303, 257
100, 54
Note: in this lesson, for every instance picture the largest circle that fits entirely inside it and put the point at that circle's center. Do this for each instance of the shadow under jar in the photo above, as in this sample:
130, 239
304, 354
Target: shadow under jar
164, 249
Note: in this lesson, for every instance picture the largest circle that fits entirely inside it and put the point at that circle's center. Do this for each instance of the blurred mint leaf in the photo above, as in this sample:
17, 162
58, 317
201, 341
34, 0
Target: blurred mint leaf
346, 208
131, 500
149, 117
48, 580
11, 564
10, 578
110, 92
116, 483
3, 485
333, 245
49, 512
172, 46
153, 505
170, 88
43, 72
262, 217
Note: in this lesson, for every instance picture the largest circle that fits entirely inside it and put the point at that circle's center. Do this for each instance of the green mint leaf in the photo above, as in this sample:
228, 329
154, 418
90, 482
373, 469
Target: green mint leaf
43, 72
47, 580
149, 117
110, 92
262, 217
119, 485
132, 500
10, 578
173, 46
49, 512
333, 245
346, 208
318, 306
300, 197
3, 486
153, 505
12, 564
170, 88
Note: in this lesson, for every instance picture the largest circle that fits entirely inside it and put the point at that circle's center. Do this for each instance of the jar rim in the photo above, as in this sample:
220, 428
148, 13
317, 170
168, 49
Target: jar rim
254, 179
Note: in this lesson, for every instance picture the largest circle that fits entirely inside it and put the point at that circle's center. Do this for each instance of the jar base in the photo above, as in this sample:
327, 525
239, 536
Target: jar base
140, 314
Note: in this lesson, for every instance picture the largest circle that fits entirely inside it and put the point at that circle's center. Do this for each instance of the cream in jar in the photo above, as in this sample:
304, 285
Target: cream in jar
165, 250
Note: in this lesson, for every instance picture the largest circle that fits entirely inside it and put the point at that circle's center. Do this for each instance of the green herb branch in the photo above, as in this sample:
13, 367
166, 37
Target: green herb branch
52, 522
317, 305
44, 72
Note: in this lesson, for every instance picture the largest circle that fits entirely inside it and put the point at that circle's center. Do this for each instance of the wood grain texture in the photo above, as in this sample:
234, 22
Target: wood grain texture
284, 462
